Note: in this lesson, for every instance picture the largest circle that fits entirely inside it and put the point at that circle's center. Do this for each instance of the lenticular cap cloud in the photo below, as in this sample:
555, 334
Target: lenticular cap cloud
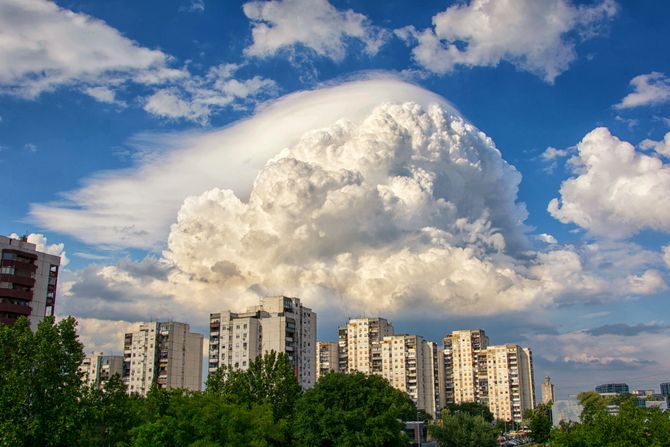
134, 207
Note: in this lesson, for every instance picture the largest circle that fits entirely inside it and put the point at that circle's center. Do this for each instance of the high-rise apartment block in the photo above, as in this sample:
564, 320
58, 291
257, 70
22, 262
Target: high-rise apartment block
547, 391
28, 280
98, 368
327, 358
409, 363
363, 340
165, 353
500, 377
278, 323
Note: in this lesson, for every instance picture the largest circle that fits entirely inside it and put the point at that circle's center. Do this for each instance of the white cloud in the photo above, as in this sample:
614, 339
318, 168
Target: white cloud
42, 245
198, 97
617, 191
103, 94
106, 336
193, 6
547, 238
43, 46
660, 147
30, 147
107, 210
649, 89
551, 153
537, 36
315, 24
666, 255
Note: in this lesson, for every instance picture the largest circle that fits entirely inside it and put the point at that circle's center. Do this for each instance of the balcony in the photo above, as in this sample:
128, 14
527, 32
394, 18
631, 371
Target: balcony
15, 309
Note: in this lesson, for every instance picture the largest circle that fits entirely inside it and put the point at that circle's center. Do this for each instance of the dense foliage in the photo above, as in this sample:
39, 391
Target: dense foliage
539, 422
463, 429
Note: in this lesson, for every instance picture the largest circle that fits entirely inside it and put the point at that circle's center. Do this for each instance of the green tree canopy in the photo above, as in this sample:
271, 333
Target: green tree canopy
40, 385
352, 410
463, 429
270, 379
539, 422
473, 409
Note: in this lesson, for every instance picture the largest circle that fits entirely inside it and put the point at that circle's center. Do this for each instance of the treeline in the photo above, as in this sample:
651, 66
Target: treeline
44, 402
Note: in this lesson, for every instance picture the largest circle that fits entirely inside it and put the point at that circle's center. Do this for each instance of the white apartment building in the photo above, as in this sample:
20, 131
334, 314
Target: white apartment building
97, 368
164, 353
510, 381
327, 358
28, 280
463, 369
278, 323
409, 363
500, 377
363, 343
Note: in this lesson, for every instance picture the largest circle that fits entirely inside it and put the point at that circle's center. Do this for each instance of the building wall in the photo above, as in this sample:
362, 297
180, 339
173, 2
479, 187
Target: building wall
327, 358
165, 353
547, 391
364, 338
28, 281
510, 381
464, 377
278, 323
98, 368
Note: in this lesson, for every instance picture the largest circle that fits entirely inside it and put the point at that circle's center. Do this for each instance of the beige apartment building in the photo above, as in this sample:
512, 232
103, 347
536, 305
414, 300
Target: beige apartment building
327, 358
97, 368
362, 343
278, 323
164, 353
409, 363
501, 377
547, 391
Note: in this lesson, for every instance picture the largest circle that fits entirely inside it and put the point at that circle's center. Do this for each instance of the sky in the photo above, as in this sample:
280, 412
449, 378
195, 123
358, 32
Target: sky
448, 165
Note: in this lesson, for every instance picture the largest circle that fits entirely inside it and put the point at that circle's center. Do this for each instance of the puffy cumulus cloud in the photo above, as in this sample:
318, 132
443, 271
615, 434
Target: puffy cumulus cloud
78, 49
412, 208
648, 89
42, 244
616, 191
198, 97
104, 336
666, 255
660, 147
107, 209
547, 238
537, 36
315, 24
551, 153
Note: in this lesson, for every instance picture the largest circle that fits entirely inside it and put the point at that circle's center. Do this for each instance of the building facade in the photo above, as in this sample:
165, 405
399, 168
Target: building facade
98, 368
327, 358
361, 339
665, 389
612, 388
409, 363
164, 353
547, 391
501, 377
278, 323
28, 280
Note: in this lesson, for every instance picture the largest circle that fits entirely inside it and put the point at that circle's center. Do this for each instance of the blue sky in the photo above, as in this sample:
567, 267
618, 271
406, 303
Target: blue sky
145, 139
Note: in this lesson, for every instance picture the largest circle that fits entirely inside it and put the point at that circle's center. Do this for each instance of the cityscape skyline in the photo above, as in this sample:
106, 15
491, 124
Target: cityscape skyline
187, 156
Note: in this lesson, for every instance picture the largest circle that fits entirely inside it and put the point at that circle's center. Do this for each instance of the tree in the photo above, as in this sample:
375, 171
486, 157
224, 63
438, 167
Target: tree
539, 422
473, 409
462, 429
40, 385
593, 405
348, 410
270, 379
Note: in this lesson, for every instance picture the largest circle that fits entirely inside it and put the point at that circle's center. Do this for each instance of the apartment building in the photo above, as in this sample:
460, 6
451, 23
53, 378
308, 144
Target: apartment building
98, 368
463, 367
28, 280
501, 377
409, 363
165, 353
278, 323
511, 389
361, 339
327, 358
547, 391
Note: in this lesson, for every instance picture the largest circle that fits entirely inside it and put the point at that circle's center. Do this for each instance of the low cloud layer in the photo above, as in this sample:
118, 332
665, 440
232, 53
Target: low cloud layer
537, 36
616, 191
